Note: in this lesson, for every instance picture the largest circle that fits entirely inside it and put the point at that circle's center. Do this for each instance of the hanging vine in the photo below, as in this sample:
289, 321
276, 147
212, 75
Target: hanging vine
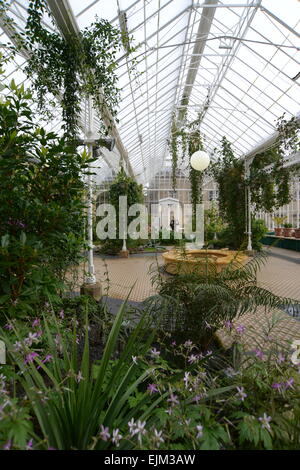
186, 141
72, 67
269, 179
228, 172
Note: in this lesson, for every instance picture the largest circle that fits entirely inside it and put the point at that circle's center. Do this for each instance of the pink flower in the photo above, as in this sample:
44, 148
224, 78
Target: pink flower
152, 388
36, 322
258, 353
276, 385
173, 399
7, 445
289, 383
240, 329
30, 357
280, 358
154, 352
48, 358
29, 444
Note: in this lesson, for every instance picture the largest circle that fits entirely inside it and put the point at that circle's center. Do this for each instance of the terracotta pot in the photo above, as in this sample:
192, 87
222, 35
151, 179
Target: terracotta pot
278, 232
297, 232
288, 232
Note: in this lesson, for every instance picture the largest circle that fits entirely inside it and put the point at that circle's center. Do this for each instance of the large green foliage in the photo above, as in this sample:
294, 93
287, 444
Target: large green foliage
194, 305
41, 206
123, 185
228, 172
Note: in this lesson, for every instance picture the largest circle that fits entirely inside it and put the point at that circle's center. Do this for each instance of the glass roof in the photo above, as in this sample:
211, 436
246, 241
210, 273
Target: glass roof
241, 58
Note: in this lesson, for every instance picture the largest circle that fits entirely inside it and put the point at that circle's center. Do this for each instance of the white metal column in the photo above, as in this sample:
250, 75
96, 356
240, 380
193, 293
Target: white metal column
90, 278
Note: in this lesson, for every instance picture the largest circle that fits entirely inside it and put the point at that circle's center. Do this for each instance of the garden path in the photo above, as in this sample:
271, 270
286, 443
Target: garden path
281, 274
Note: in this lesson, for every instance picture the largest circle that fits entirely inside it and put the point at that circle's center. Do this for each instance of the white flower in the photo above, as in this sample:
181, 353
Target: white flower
116, 437
158, 437
104, 434
186, 379
154, 352
295, 357
199, 431
79, 377
265, 420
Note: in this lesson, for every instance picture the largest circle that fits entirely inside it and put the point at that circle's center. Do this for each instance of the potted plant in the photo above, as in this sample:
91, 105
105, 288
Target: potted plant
278, 229
297, 232
288, 230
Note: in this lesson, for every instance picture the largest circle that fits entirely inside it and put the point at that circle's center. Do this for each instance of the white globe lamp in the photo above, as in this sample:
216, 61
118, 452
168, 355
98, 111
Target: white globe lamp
200, 160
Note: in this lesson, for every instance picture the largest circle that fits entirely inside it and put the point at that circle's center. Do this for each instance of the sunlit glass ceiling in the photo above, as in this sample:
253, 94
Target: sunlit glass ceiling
236, 61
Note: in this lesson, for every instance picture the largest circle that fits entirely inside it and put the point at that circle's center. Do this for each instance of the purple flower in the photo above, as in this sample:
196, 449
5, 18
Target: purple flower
48, 358
62, 314
104, 433
192, 359
152, 388
240, 329
173, 399
197, 398
265, 421
280, 358
116, 437
258, 353
29, 444
7, 445
289, 383
8, 326
228, 324
188, 344
30, 357
36, 322
154, 352
173, 343
276, 385
241, 393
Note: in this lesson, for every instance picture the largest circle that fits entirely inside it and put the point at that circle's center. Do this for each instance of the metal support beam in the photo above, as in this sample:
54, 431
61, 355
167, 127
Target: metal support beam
202, 35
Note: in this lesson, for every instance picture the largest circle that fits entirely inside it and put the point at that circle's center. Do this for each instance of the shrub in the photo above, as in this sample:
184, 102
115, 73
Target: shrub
41, 207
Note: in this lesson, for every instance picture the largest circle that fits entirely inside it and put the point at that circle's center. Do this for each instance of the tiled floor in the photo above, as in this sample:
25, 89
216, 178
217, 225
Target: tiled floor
281, 274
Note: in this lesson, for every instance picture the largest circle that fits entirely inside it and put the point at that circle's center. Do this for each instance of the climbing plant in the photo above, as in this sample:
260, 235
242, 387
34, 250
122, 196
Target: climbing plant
269, 179
229, 174
186, 141
71, 67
